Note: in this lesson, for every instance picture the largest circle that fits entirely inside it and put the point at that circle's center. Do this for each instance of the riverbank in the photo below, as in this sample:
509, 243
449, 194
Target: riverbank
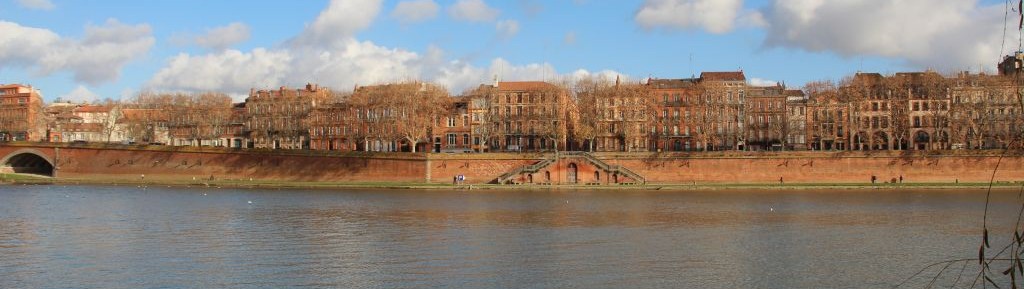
333, 169
20, 179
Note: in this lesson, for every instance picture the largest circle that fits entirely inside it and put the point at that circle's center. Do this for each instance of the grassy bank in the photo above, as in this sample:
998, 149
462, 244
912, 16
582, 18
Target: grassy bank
20, 179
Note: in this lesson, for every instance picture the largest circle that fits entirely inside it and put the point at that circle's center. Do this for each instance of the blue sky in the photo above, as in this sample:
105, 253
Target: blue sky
88, 50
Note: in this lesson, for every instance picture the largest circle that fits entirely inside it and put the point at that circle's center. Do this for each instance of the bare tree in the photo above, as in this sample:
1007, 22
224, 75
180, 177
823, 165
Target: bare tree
418, 105
585, 108
486, 116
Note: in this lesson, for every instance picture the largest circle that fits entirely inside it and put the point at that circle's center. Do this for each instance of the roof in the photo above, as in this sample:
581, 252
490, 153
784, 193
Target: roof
524, 85
671, 83
723, 76
92, 108
12, 86
795, 92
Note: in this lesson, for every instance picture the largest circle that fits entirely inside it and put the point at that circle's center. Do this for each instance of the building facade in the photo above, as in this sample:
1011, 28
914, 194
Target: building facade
275, 118
21, 113
527, 115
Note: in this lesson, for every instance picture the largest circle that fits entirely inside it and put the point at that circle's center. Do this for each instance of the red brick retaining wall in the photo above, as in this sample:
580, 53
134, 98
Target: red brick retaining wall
792, 167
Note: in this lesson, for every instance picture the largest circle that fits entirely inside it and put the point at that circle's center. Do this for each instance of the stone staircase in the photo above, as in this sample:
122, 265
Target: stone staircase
537, 167
530, 169
615, 169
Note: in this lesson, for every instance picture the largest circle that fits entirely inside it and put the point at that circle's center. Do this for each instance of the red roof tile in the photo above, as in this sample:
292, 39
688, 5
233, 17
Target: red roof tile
92, 108
723, 76
524, 85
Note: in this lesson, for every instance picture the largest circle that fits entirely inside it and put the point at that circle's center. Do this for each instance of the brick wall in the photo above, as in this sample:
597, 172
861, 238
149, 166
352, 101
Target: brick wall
737, 167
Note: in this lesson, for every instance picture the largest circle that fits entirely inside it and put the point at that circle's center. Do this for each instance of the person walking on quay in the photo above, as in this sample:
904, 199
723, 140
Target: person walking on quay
901, 179
873, 178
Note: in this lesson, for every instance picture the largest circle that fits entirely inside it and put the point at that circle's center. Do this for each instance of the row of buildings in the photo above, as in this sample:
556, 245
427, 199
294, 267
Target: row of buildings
715, 111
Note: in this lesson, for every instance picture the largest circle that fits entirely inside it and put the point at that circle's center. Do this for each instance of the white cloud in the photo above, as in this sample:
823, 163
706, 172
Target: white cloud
96, 58
37, 4
228, 71
472, 11
223, 37
942, 34
507, 28
339, 22
715, 16
415, 11
80, 94
341, 65
761, 82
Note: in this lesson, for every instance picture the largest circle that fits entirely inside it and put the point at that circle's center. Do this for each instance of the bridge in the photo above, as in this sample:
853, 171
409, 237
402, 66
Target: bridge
28, 161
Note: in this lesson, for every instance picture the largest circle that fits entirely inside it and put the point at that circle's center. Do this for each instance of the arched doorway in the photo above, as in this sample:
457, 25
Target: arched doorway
570, 173
921, 140
677, 145
25, 162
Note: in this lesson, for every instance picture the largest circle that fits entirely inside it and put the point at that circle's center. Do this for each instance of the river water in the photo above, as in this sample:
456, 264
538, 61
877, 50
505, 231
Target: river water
129, 237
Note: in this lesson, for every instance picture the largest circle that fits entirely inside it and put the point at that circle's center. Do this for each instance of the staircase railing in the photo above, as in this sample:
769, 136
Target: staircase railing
608, 167
530, 169
536, 167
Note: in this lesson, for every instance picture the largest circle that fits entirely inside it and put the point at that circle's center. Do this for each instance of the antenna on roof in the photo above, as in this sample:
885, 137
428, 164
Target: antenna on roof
691, 64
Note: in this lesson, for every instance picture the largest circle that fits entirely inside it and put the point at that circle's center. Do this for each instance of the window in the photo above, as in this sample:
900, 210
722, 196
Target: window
451, 139
451, 122
476, 141
465, 139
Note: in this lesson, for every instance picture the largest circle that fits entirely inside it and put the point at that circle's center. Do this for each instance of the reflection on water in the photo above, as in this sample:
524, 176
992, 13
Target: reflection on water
120, 237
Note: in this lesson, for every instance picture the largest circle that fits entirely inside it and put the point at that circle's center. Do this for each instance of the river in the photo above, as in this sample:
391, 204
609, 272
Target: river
159, 237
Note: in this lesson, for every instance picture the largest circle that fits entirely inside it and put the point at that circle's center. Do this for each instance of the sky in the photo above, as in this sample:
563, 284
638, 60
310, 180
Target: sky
90, 50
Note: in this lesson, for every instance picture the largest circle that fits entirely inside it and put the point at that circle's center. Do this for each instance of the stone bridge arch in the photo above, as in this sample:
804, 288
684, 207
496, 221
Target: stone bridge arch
28, 161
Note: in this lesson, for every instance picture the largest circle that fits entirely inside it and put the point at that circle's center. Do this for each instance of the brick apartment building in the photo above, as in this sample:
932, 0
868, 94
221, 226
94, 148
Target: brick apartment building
275, 118
21, 112
527, 115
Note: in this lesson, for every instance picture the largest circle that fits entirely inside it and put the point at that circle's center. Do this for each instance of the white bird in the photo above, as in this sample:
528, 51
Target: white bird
250, 202
771, 209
